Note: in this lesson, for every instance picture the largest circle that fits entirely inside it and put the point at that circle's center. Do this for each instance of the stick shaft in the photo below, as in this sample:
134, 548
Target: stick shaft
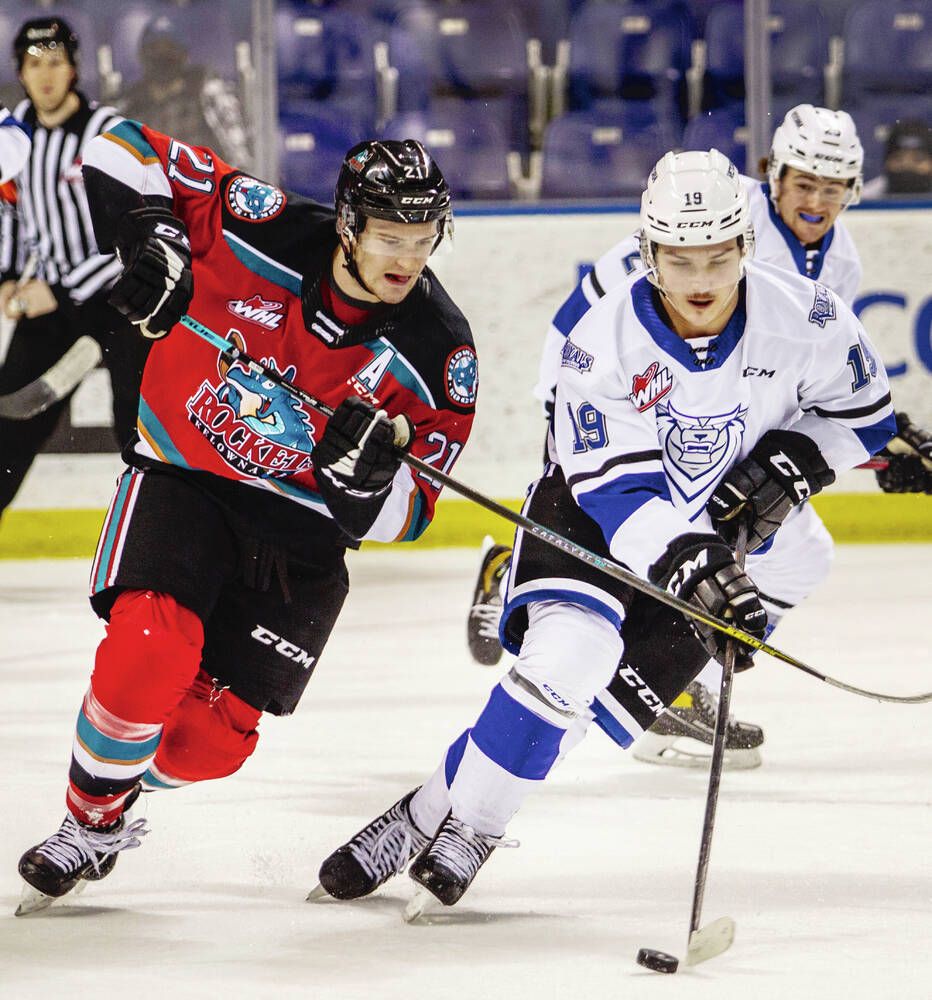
607, 566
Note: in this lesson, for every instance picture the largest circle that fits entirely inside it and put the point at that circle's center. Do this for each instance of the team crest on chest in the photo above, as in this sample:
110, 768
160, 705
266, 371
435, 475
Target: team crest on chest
462, 377
650, 386
255, 426
254, 200
698, 449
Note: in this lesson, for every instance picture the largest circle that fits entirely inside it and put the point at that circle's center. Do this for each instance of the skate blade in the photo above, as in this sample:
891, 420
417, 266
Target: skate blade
653, 749
318, 892
420, 906
33, 901
711, 940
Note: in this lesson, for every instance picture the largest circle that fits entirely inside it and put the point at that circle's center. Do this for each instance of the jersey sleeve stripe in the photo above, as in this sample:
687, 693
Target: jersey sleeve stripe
264, 266
631, 458
854, 413
128, 136
596, 284
612, 504
873, 438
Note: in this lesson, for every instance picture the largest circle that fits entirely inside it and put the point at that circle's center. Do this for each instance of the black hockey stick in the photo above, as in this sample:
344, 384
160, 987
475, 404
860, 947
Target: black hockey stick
234, 354
716, 937
53, 385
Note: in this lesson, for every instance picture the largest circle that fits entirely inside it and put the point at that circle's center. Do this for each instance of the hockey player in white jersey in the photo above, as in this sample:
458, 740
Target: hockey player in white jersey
712, 386
814, 171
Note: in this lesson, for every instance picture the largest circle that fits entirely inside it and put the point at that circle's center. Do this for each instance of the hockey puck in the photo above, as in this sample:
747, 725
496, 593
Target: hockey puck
658, 961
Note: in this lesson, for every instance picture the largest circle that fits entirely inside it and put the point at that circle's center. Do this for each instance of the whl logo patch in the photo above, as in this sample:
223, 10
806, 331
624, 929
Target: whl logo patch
650, 386
257, 310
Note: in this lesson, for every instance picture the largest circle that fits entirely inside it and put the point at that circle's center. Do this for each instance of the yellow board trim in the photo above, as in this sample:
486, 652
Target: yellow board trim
850, 517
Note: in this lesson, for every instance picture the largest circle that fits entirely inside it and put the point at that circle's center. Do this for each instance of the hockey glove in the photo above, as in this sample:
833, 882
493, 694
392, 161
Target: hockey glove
784, 469
702, 569
909, 457
156, 285
358, 452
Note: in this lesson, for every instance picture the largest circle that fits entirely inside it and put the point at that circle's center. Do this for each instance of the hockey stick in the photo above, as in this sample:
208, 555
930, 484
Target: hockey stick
716, 937
234, 354
53, 385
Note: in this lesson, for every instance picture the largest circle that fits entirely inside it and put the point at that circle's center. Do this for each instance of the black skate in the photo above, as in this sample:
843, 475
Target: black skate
682, 736
380, 850
75, 854
486, 610
446, 868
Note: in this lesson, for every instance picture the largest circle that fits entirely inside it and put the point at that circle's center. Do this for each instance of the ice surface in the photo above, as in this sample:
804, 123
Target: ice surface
821, 855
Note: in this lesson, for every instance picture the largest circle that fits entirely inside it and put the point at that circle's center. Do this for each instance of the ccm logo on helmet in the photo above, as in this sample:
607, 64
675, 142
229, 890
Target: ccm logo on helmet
694, 225
419, 200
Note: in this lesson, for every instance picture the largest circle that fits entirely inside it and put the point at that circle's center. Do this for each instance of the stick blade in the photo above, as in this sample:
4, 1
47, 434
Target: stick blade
709, 941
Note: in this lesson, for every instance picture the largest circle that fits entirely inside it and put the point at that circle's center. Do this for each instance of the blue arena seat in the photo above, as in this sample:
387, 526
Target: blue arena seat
798, 53
723, 129
591, 154
876, 115
311, 150
634, 51
470, 50
888, 47
202, 28
470, 147
324, 54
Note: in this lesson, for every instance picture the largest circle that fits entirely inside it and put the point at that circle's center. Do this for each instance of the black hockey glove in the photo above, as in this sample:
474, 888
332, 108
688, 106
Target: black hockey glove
909, 455
784, 469
156, 285
358, 452
702, 569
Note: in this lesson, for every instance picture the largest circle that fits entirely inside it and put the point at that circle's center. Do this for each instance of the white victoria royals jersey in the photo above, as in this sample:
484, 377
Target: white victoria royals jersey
646, 426
836, 265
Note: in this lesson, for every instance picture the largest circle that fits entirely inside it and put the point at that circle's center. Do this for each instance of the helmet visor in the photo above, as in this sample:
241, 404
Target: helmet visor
398, 246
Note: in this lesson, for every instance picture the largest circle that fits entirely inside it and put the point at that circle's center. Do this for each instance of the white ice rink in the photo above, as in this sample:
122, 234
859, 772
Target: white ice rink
821, 856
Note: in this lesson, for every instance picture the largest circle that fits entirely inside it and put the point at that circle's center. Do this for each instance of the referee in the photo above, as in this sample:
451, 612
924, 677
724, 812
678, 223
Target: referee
55, 282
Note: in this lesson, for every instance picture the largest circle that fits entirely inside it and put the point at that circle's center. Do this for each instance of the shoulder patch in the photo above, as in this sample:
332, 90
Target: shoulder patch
254, 200
461, 377
575, 357
823, 306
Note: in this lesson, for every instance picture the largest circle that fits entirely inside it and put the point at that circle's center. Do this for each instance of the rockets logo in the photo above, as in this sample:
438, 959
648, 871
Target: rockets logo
257, 310
255, 426
650, 386
462, 377
254, 200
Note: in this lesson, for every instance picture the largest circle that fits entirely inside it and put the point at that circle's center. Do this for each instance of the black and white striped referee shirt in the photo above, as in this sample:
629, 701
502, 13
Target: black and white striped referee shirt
52, 218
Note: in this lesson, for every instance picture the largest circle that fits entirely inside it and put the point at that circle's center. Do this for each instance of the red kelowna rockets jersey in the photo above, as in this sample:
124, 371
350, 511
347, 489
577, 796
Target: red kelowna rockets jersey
259, 258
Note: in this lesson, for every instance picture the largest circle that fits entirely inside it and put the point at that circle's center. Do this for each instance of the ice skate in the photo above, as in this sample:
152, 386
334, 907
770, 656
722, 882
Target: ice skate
380, 850
682, 736
486, 610
446, 868
75, 854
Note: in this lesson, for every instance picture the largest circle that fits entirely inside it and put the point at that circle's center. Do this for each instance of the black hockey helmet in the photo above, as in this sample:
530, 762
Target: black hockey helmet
45, 33
393, 179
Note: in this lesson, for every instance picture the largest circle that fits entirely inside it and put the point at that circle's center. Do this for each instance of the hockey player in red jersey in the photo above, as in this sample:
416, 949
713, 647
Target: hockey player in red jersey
220, 566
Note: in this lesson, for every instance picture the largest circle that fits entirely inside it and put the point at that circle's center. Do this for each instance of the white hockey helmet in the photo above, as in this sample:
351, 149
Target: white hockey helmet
817, 141
692, 199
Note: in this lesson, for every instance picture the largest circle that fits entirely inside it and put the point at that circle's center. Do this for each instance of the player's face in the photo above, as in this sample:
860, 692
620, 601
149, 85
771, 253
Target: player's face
46, 76
391, 255
809, 205
700, 285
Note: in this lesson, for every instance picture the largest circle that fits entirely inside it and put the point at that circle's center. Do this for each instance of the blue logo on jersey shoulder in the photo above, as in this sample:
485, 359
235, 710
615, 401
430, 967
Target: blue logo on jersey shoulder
575, 357
462, 377
823, 306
